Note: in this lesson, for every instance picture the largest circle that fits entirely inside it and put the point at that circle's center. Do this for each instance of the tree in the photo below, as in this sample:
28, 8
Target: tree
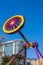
7, 58
2, 38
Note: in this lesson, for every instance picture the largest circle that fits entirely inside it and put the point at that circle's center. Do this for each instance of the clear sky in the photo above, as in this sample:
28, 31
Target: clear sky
32, 10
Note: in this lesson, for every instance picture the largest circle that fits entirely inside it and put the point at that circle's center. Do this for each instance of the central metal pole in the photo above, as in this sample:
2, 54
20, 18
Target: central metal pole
22, 35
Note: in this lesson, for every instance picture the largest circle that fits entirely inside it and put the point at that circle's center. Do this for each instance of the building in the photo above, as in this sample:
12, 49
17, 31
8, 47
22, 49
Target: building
13, 47
34, 61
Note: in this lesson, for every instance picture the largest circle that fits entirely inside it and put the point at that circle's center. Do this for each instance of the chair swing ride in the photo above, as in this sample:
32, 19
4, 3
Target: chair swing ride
14, 24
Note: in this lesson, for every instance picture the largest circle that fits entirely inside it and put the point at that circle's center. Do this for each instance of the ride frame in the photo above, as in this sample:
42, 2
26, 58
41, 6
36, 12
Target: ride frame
11, 23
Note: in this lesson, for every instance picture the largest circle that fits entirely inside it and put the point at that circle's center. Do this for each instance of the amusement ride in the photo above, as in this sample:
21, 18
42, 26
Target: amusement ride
14, 24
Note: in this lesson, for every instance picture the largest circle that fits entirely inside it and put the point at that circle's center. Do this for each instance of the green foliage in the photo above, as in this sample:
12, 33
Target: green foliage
7, 58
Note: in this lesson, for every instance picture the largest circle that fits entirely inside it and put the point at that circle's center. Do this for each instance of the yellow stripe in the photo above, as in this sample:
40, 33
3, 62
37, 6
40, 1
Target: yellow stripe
18, 27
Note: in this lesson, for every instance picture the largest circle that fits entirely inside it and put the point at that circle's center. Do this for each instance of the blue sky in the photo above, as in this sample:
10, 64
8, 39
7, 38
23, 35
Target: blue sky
32, 10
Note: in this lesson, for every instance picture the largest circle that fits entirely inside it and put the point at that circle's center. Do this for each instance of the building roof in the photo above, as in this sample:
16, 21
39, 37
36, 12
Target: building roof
9, 42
